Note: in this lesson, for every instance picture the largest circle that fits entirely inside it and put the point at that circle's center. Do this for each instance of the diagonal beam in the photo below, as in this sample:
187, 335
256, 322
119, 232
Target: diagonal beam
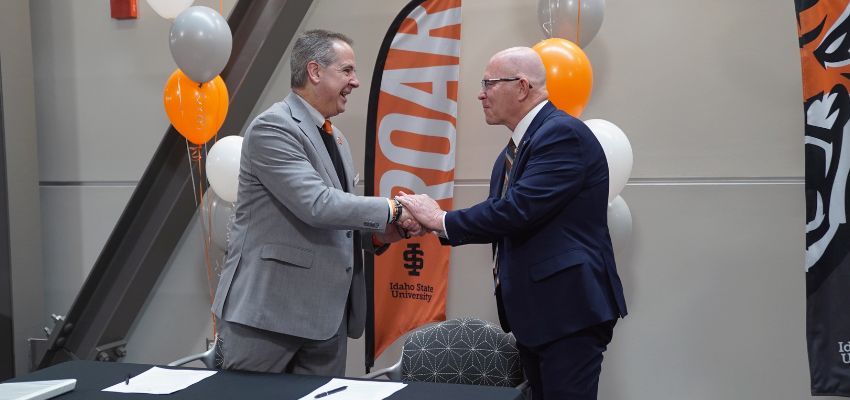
162, 205
7, 348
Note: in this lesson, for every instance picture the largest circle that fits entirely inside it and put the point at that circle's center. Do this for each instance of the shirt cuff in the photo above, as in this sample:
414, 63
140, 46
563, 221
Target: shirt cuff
444, 234
390, 210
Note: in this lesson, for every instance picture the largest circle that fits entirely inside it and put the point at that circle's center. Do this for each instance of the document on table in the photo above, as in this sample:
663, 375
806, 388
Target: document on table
355, 390
160, 381
35, 390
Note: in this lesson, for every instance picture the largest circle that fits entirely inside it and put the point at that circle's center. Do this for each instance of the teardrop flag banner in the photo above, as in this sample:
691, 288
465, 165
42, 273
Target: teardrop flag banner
411, 135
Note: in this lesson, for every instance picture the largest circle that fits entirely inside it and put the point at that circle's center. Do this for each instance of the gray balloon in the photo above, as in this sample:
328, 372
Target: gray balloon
218, 219
200, 42
575, 20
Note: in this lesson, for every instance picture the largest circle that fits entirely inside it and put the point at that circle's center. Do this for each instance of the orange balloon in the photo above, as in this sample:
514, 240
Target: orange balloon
569, 76
196, 111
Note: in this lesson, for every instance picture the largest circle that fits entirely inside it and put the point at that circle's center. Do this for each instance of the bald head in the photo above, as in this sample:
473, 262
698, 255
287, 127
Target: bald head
514, 83
523, 62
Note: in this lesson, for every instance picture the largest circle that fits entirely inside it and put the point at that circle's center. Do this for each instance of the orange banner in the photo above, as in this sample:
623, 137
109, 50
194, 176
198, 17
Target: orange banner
412, 131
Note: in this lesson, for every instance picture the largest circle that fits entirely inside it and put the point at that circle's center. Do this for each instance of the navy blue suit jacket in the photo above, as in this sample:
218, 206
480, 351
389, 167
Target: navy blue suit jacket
556, 263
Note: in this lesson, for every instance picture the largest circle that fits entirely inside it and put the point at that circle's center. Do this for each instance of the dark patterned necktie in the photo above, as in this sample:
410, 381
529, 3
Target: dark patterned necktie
510, 153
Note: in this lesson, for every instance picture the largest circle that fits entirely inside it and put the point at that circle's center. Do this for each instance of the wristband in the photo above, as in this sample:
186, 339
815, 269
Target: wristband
379, 248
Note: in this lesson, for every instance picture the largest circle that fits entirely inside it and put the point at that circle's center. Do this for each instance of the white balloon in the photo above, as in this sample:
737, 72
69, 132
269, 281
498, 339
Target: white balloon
619, 225
169, 8
618, 152
576, 21
223, 167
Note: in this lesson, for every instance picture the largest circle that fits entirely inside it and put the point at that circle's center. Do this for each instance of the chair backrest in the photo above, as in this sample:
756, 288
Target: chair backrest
212, 358
464, 350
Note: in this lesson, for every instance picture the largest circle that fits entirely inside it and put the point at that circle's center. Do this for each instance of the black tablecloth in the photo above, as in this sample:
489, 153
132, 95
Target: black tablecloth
92, 377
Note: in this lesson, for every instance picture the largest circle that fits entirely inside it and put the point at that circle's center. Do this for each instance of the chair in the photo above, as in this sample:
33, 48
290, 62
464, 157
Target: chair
211, 358
465, 350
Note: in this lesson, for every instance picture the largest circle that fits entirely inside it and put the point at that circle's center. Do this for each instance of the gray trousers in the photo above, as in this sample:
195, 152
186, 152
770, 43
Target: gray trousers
246, 348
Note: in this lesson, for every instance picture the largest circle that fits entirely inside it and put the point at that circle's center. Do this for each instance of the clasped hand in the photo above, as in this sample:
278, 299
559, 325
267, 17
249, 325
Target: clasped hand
421, 214
424, 210
405, 228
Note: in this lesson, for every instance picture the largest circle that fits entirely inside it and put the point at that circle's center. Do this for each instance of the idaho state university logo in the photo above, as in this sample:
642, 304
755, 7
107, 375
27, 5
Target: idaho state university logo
823, 28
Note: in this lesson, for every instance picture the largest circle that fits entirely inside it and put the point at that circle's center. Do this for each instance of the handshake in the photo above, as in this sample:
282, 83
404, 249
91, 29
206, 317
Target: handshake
420, 214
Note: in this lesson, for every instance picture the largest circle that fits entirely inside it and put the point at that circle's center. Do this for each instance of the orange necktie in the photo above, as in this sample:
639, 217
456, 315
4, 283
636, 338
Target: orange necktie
327, 127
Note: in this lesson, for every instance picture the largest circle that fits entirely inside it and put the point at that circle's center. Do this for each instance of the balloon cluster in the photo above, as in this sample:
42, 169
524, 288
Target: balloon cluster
195, 97
196, 102
570, 25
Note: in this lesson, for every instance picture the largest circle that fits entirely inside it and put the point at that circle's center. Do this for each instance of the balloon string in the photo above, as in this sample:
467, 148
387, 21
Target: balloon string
206, 228
549, 30
191, 173
578, 24
221, 7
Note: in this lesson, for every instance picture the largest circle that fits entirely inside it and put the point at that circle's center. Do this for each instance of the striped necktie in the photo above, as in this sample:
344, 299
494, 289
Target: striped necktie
510, 153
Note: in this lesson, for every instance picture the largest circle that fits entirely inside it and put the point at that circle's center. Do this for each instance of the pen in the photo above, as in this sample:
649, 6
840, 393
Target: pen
329, 392
128, 380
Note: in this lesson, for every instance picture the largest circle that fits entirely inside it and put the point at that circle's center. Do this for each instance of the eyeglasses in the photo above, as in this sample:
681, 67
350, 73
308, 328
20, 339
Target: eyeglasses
488, 83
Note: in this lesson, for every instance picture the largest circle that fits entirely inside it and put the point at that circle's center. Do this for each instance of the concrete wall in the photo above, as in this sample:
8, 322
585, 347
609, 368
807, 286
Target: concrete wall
708, 93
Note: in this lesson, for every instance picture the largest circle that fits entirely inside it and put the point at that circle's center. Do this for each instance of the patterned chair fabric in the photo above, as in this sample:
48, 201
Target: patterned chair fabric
466, 350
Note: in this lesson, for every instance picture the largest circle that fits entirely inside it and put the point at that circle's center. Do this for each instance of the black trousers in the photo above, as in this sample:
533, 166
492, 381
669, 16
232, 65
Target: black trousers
567, 368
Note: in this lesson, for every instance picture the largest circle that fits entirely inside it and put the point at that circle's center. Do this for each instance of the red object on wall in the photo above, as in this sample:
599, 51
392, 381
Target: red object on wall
124, 9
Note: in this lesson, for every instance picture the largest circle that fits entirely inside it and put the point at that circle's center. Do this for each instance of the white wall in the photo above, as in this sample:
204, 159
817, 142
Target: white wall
22, 170
709, 94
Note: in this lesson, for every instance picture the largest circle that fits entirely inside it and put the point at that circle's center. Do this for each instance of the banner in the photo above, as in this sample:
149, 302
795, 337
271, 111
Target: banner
410, 146
824, 43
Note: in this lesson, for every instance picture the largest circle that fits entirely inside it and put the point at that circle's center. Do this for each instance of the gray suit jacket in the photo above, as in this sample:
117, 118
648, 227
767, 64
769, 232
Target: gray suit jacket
290, 260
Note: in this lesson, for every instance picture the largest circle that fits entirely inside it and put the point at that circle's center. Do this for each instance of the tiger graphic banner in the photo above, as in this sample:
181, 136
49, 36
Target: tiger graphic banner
823, 29
410, 147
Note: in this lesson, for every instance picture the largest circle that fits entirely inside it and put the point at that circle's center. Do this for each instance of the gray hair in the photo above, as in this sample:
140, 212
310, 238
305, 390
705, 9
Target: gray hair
314, 45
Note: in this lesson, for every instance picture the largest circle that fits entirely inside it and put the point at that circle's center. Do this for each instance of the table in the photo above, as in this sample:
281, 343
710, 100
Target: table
93, 376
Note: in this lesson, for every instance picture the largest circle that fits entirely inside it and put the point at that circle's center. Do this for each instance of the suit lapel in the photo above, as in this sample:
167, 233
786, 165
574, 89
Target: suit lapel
533, 127
300, 114
497, 180
535, 124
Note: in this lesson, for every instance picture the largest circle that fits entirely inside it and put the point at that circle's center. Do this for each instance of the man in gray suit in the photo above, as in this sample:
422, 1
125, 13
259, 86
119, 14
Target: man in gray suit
292, 289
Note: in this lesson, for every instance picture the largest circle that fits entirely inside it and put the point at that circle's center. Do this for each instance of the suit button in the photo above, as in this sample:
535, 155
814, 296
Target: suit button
347, 269
348, 234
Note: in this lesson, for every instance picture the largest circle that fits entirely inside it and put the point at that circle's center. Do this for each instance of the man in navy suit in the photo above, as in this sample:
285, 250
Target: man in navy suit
557, 287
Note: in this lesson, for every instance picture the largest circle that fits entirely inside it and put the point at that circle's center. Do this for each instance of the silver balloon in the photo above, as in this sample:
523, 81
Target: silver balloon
218, 219
200, 43
575, 20
619, 225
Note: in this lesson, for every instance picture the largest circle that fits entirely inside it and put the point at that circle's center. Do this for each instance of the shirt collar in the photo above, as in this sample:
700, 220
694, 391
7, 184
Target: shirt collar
523, 124
314, 114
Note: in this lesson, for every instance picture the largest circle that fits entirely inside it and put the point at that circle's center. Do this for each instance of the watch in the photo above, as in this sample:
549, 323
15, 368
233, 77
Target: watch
399, 208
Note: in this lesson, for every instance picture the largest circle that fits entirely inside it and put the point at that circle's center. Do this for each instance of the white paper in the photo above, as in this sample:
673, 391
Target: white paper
160, 381
36, 390
357, 390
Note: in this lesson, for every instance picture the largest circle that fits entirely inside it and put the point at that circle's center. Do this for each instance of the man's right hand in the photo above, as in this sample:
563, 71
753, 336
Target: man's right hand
424, 209
409, 224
